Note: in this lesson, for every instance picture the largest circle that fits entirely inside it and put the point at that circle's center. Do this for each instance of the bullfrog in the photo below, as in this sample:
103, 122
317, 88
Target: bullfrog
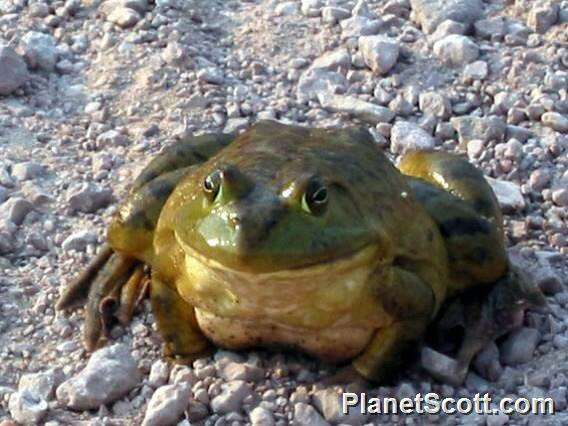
302, 238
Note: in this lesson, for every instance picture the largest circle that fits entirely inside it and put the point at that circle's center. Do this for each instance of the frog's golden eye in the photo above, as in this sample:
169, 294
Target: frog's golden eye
212, 185
315, 198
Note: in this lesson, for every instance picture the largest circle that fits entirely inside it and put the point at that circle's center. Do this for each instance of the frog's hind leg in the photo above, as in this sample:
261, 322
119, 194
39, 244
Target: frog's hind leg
100, 288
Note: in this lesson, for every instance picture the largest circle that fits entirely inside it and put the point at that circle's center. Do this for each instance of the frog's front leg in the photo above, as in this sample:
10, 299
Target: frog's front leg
411, 303
183, 340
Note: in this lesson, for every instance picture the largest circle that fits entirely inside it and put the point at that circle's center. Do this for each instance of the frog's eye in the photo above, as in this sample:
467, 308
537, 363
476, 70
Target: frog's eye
212, 184
315, 198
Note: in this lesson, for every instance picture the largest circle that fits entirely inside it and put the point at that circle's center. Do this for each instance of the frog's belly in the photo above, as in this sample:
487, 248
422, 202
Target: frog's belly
333, 344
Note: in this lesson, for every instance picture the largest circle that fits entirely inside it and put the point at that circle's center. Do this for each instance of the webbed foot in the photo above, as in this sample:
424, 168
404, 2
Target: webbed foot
110, 288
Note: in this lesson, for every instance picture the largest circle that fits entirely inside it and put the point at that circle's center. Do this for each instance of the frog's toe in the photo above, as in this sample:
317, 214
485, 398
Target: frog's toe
444, 368
347, 375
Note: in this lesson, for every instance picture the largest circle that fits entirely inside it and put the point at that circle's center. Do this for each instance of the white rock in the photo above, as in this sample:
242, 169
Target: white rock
42, 384
212, 75
407, 136
379, 53
483, 128
13, 70
541, 17
456, 50
328, 402
159, 373
124, 17
435, 104
27, 170
16, 209
261, 417
358, 26
110, 374
311, 8
508, 194
111, 138
27, 408
167, 405
430, 13
475, 148
231, 397
477, 70
333, 60
560, 197
305, 414
241, 371
235, 124
556, 121
358, 108
332, 15
286, 8
314, 82
79, 240
519, 347
40, 50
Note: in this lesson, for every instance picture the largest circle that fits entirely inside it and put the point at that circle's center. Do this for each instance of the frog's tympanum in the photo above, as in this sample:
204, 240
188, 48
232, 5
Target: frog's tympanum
295, 237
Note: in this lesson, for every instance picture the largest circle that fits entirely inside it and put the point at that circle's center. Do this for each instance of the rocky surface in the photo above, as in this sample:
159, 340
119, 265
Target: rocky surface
90, 90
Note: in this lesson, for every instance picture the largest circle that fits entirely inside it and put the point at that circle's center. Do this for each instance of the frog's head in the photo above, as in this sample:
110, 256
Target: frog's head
283, 200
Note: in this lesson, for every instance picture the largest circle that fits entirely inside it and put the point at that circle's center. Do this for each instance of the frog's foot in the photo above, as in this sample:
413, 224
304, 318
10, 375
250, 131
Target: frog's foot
109, 288
482, 317
348, 376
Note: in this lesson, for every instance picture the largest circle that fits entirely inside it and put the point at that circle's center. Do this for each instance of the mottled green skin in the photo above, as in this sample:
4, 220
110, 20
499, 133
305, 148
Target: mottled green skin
426, 234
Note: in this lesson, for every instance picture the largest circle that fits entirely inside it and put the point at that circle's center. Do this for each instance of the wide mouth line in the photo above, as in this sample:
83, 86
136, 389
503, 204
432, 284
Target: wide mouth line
351, 260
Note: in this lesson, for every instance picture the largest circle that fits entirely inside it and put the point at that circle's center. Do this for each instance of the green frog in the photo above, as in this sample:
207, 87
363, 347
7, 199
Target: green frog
302, 238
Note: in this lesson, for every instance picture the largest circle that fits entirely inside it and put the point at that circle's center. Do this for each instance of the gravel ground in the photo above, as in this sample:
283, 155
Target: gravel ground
89, 91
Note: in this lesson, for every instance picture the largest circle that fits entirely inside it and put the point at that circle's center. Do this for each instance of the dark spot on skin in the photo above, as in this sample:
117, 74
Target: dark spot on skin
160, 188
464, 226
139, 220
479, 255
199, 156
430, 235
482, 205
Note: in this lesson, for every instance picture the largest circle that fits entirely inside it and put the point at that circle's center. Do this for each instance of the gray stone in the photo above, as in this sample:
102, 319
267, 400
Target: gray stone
27, 408
124, 17
235, 124
358, 26
332, 15
305, 414
40, 50
314, 82
16, 209
358, 108
447, 28
27, 170
111, 138
79, 240
241, 371
487, 364
491, 27
499, 419
442, 367
109, 375
430, 13
328, 402
167, 405
211, 75
13, 70
508, 194
556, 121
560, 197
89, 198
261, 417
407, 136
379, 53
456, 50
231, 397
477, 70
435, 104
519, 347
42, 384
541, 17
311, 8
333, 60
482, 128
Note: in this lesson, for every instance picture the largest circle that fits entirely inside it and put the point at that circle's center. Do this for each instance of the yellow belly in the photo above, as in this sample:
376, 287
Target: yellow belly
326, 310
